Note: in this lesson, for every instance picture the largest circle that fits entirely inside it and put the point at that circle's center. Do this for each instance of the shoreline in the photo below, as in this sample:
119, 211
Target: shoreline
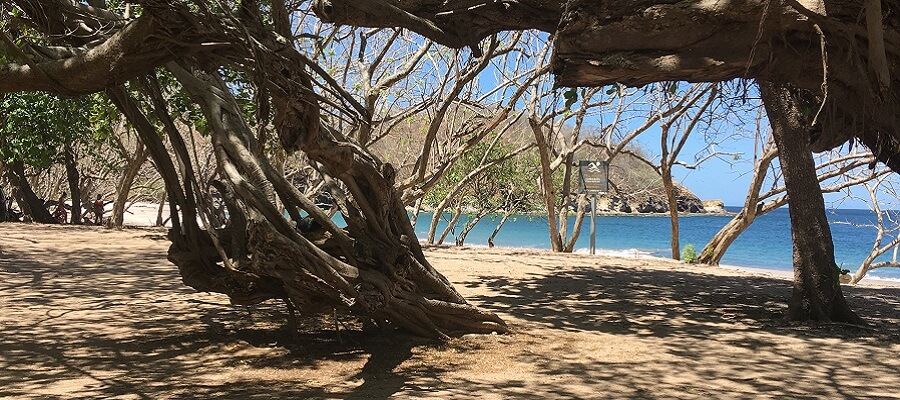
604, 213
634, 254
867, 281
143, 214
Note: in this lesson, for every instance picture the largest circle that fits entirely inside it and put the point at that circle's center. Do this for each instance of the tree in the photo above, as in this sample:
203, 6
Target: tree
758, 202
372, 268
40, 130
886, 225
133, 163
477, 183
671, 144
633, 42
558, 134
595, 46
671, 111
817, 291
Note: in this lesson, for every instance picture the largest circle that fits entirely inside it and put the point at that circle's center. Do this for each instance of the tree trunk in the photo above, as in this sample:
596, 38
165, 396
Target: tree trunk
415, 214
435, 219
713, 252
2, 205
461, 238
192, 250
579, 221
546, 183
562, 215
159, 211
817, 292
123, 189
28, 201
452, 225
374, 268
498, 227
74, 186
672, 199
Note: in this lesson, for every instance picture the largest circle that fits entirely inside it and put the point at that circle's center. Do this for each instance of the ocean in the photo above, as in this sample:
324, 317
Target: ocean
766, 244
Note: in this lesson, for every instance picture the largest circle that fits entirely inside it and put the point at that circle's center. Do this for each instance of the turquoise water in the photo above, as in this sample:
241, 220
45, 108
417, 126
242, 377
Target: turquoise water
766, 244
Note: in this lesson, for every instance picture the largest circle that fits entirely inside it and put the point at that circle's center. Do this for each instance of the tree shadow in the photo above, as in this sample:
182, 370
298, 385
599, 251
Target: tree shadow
106, 316
109, 317
669, 303
714, 334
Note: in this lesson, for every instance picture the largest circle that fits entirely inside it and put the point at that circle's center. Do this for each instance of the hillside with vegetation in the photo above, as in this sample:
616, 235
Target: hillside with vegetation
513, 184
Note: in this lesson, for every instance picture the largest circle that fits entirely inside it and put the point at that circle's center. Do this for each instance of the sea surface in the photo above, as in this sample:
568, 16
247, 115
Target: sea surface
766, 244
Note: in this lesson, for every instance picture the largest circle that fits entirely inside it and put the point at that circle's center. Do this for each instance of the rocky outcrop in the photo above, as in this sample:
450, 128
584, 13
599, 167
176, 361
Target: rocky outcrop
687, 203
618, 204
635, 187
714, 206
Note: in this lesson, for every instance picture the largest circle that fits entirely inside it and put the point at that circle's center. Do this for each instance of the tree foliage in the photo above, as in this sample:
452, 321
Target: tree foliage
36, 126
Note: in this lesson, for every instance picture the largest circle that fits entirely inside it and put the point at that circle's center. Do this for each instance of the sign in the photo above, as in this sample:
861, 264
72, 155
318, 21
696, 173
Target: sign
593, 177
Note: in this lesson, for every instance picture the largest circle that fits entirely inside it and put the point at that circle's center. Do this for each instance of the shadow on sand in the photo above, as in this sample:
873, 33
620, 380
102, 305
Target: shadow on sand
110, 318
706, 322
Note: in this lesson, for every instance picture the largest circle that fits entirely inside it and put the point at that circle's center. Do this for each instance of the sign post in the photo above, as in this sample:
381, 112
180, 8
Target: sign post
593, 224
593, 180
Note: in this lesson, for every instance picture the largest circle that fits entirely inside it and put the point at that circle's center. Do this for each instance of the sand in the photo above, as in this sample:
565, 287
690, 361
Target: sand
96, 313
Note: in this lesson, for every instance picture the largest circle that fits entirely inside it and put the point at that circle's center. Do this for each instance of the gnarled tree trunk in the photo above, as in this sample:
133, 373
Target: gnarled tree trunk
374, 267
30, 204
817, 292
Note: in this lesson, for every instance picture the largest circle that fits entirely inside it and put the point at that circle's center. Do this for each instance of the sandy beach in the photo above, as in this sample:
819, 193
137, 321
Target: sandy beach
98, 313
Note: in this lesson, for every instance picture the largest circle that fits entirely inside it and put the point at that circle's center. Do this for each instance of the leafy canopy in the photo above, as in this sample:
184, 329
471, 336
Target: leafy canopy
35, 127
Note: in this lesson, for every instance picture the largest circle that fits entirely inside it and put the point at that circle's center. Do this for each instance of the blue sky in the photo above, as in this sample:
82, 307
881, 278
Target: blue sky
717, 179
728, 178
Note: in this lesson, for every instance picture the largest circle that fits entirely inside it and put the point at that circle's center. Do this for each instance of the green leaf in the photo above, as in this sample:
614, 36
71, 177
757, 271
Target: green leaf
571, 97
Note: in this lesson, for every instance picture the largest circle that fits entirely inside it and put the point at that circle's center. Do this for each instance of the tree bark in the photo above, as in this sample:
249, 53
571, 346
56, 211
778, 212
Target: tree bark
548, 193
124, 187
73, 178
713, 252
672, 199
29, 202
817, 292
2, 205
